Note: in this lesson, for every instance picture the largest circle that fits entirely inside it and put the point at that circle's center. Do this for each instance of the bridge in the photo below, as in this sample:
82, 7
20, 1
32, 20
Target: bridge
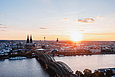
54, 68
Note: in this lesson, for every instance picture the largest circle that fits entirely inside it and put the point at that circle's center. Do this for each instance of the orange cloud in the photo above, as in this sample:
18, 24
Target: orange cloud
99, 33
82, 30
65, 18
86, 20
43, 28
99, 17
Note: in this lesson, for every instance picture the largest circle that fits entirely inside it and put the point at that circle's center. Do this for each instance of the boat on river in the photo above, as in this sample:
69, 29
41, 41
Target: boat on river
17, 58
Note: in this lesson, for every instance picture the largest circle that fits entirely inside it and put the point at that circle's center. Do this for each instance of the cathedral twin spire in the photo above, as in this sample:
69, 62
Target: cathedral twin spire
29, 39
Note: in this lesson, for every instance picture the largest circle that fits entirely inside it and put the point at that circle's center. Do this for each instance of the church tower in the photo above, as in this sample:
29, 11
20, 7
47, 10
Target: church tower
30, 38
27, 39
57, 40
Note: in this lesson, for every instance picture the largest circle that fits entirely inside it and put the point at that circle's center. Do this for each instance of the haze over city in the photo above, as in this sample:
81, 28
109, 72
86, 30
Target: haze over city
76, 20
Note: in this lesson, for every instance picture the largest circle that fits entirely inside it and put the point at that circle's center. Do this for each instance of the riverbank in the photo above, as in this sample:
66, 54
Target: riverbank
74, 54
105, 72
59, 54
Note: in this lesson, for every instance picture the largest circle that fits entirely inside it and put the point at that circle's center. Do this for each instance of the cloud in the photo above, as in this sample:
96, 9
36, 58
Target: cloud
99, 33
86, 20
65, 18
2, 30
3, 27
99, 17
94, 33
43, 28
82, 30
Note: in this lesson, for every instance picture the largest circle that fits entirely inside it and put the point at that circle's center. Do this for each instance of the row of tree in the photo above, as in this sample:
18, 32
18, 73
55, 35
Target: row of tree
88, 73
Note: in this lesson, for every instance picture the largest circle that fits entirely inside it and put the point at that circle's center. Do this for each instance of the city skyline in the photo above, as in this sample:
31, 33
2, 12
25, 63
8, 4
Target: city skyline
64, 19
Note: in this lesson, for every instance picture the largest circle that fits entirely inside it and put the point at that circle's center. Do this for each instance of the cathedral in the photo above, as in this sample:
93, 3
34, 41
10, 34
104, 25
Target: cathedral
29, 43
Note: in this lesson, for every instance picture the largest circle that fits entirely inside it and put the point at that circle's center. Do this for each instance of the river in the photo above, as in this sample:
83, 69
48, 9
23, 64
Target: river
88, 62
21, 68
32, 68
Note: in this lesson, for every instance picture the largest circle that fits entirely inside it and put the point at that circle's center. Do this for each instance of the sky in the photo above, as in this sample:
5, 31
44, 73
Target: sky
93, 19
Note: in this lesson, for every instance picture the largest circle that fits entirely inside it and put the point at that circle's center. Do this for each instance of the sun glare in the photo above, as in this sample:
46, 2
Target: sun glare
76, 36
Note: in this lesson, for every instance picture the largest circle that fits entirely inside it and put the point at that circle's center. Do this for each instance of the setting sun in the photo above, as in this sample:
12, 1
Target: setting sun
76, 36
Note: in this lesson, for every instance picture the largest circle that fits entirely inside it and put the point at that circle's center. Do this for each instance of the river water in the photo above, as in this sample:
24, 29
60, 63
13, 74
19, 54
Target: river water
88, 62
21, 68
32, 68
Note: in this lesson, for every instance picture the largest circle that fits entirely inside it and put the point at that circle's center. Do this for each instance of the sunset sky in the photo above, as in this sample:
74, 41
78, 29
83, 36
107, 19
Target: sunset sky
93, 19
